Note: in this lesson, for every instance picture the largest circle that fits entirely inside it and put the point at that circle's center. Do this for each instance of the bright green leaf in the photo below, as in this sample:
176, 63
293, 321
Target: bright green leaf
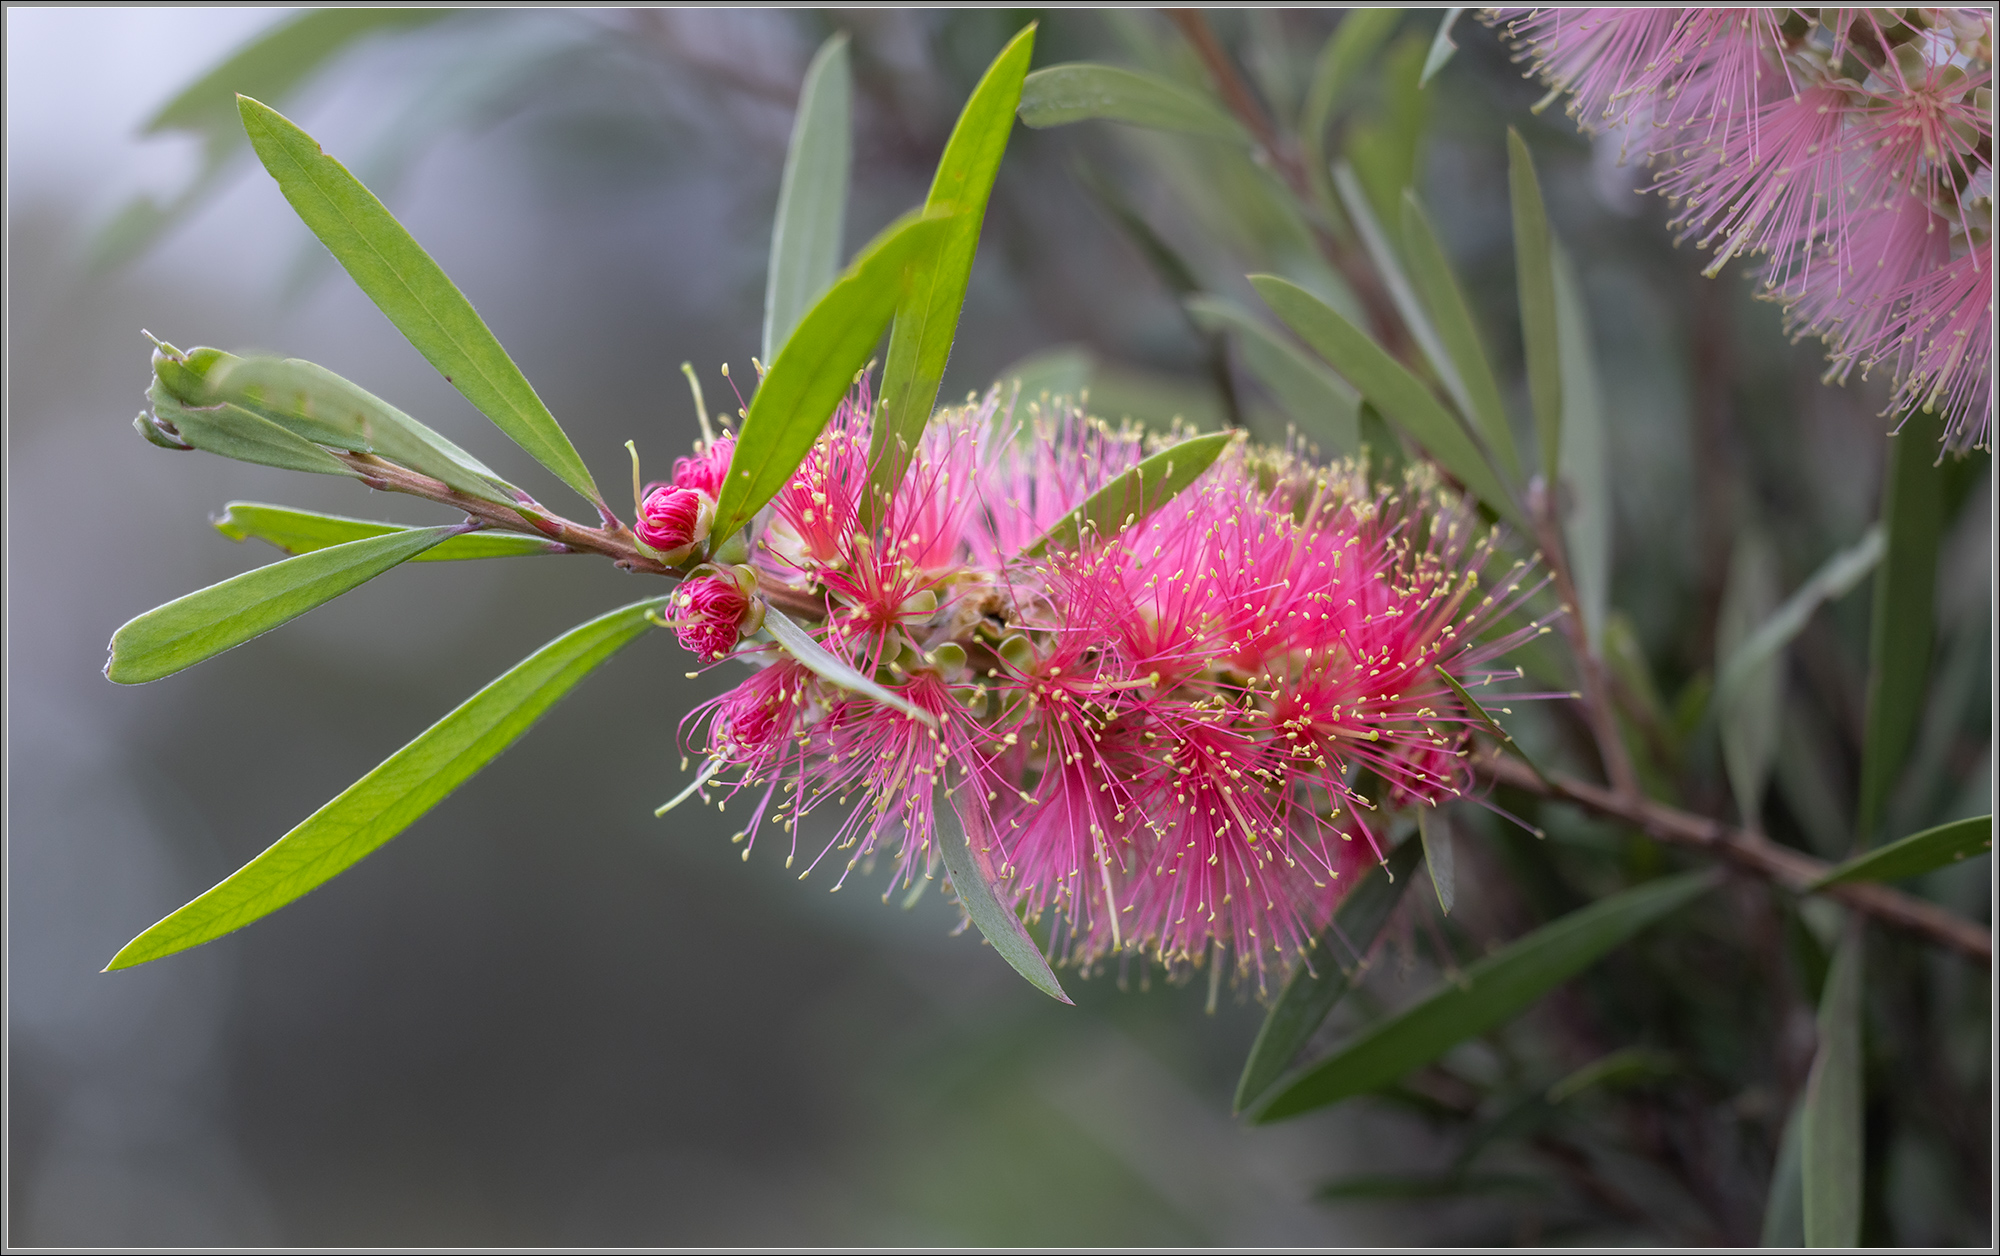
303, 531
1441, 47
397, 792
812, 198
1835, 577
927, 319
1830, 1133
208, 621
1135, 495
1452, 317
1534, 275
1916, 854
818, 364
1435, 833
1487, 994
1584, 457
1069, 93
1340, 952
1750, 715
1319, 402
1393, 390
236, 433
400, 277
833, 669
969, 861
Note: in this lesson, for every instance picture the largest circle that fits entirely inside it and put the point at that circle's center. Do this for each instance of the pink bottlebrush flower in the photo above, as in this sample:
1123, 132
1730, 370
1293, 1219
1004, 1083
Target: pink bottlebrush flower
673, 520
706, 471
711, 612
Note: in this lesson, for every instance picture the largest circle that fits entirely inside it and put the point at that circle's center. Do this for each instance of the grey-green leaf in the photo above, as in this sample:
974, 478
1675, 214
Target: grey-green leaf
418, 297
972, 878
1750, 715
1431, 271
1488, 993
812, 197
927, 318
1830, 1130
1325, 409
1346, 53
1441, 47
1917, 854
1135, 495
1835, 577
833, 669
819, 363
1436, 835
1784, 1204
1079, 90
1396, 393
398, 791
1534, 275
208, 621
1584, 458
1899, 645
303, 531
1340, 953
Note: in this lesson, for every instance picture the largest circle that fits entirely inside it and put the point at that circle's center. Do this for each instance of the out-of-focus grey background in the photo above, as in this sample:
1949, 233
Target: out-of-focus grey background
542, 1016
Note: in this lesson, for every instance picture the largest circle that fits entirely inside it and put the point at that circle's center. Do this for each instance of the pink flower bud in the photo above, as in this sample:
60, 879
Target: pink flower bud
711, 613
706, 470
674, 520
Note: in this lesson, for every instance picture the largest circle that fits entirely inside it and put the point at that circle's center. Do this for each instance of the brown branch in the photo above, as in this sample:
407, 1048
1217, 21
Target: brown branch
1753, 853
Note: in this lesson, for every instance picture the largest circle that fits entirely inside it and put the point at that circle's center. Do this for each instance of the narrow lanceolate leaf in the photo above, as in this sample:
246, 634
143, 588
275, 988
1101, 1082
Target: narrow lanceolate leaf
1393, 391
415, 293
812, 198
1751, 716
1488, 993
833, 669
927, 319
819, 363
1441, 47
303, 531
393, 796
968, 858
1917, 854
1431, 272
1534, 275
1830, 1130
1069, 93
1583, 458
208, 621
236, 433
1436, 836
1319, 402
1337, 961
1784, 1203
1835, 577
1480, 713
1899, 645
1133, 496
1342, 60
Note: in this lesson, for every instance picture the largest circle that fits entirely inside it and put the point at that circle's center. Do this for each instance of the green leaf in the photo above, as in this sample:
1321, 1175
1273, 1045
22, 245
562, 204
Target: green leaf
1835, 577
208, 621
818, 364
1436, 836
1480, 713
1393, 391
927, 318
269, 67
1784, 1204
1135, 495
1587, 523
1324, 408
812, 198
1452, 316
423, 303
1346, 53
236, 433
397, 792
1750, 715
1487, 994
1311, 994
1916, 854
1899, 644
1079, 90
1064, 371
312, 402
1830, 1129
1534, 274
303, 531
1373, 1186
833, 669
1441, 47
970, 865
1386, 146
1624, 1065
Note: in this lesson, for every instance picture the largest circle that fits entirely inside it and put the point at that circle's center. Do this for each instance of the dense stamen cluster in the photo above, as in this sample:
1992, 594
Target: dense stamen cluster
1179, 737
1853, 148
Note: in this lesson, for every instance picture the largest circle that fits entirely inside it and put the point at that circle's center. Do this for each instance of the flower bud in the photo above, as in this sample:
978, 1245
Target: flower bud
707, 469
712, 610
672, 521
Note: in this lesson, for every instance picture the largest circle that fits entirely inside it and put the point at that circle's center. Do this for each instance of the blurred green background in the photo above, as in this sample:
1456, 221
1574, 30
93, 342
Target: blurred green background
543, 1016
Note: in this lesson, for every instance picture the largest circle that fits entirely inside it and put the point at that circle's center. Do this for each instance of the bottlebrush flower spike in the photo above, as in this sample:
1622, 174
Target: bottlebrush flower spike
1851, 147
1180, 740
672, 521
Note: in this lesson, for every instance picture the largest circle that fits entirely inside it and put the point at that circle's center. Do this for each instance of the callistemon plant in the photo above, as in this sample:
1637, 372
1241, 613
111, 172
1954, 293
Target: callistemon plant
1853, 148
